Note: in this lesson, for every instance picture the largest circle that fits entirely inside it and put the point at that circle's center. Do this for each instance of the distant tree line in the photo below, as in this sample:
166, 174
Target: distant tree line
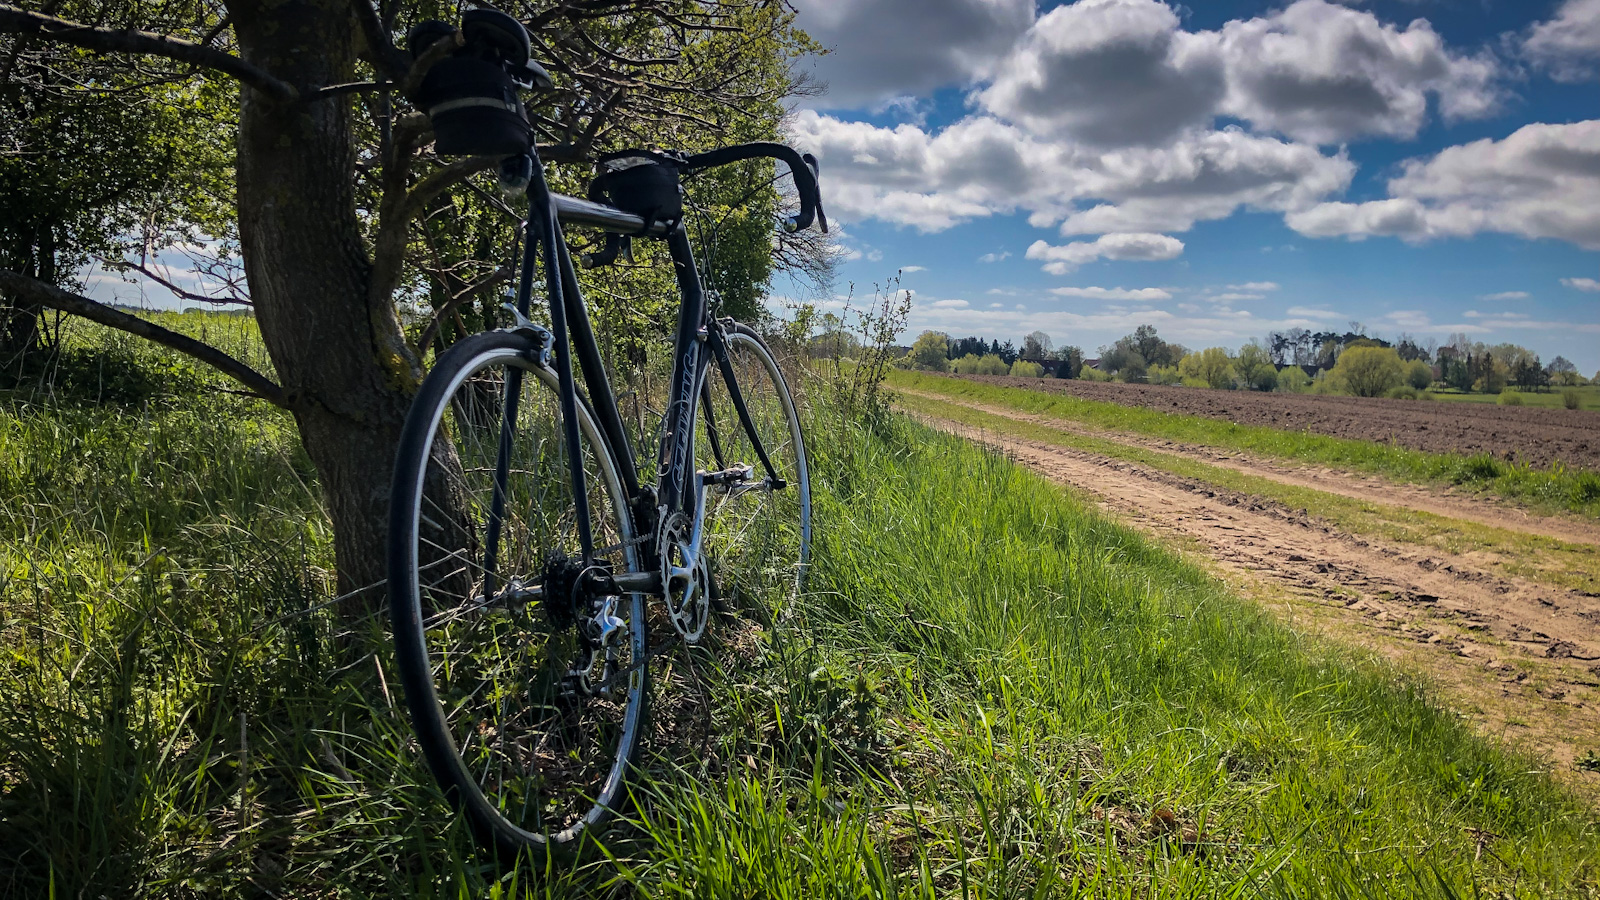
1296, 360
936, 351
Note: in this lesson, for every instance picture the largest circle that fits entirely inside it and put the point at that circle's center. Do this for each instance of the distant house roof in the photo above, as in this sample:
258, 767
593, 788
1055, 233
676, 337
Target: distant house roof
1092, 363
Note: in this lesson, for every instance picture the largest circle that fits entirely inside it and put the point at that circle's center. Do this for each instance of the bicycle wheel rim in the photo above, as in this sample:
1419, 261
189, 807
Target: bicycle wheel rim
760, 539
527, 765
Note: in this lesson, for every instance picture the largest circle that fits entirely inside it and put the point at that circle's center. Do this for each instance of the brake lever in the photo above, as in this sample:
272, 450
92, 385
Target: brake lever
816, 176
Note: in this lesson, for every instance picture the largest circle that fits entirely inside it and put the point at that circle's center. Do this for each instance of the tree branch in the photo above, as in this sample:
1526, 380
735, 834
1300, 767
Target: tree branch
439, 180
187, 295
396, 210
49, 295
110, 40
386, 57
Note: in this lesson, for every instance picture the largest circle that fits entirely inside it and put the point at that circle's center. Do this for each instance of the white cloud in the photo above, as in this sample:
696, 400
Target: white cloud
1582, 284
1254, 286
1541, 181
1108, 72
909, 269
1231, 296
994, 257
1568, 44
1326, 74
1117, 73
981, 166
1205, 177
1412, 319
1120, 246
1305, 312
949, 304
1506, 295
1489, 323
887, 49
1100, 293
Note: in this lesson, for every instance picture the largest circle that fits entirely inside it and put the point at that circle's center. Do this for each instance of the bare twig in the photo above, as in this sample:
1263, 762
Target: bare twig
49, 295
20, 21
187, 295
450, 306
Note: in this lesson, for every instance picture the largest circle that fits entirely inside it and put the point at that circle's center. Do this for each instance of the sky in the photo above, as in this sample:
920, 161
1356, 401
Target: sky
1219, 170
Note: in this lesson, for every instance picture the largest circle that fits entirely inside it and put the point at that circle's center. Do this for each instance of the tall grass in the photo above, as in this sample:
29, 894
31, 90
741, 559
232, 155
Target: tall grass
990, 691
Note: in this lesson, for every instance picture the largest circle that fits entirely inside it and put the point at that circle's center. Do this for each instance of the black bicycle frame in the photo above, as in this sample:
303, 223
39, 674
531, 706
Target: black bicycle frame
573, 334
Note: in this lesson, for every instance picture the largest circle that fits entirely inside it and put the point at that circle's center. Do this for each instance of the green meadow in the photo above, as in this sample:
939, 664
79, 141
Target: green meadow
989, 690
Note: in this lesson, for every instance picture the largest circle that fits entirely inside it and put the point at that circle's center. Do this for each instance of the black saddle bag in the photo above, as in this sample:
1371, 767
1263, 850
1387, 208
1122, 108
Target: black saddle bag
639, 182
475, 109
471, 96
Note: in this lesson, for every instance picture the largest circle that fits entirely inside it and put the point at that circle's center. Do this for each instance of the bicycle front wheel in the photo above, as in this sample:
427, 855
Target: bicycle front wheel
758, 522
528, 717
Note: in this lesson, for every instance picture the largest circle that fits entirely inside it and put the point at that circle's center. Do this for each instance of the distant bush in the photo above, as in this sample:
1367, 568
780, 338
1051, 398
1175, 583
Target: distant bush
931, 351
1329, 383
1255, 368
1419, 374
966, 365
1368, 371
1293, 380
1510, 398
1089, 374
992, 364
1404, 392
1195, 382
1164, 375
1024, 369
1212, 365
1571, 399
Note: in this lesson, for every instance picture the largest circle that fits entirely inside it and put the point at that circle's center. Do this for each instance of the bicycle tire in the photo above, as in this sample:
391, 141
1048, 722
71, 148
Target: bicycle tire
759, 540
527, 764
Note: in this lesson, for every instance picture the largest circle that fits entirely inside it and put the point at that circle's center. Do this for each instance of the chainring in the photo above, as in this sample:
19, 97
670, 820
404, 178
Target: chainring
686, 582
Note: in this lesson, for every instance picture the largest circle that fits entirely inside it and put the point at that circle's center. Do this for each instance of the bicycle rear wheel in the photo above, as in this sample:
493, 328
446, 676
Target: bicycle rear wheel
489, 636
758, 528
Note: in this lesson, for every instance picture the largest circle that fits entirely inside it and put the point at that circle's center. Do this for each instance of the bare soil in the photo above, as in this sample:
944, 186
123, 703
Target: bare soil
1521, 659
1520, 433
1465, 507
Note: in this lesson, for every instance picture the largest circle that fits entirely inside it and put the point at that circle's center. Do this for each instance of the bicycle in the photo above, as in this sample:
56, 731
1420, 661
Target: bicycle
530, 566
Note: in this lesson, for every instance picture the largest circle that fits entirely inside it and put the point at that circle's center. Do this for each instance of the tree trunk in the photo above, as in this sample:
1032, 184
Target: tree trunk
19, 318
339, 351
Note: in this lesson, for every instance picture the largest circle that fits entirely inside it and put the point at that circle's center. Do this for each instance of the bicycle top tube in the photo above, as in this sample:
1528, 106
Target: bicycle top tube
574, 211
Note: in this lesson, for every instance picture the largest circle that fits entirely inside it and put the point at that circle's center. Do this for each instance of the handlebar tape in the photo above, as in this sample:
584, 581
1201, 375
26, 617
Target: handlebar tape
803, 168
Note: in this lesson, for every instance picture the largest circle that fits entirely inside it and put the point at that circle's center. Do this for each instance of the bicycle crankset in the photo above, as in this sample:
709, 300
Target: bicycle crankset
685, 580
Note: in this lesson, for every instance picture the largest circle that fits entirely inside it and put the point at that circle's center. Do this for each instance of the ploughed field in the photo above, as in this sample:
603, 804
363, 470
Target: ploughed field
1523, 434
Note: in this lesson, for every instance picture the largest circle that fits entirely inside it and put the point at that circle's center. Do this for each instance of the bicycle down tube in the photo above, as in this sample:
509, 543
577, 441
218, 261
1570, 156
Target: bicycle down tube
574, 334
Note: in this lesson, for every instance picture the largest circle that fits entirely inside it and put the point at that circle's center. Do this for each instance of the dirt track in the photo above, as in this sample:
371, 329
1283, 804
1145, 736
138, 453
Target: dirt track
1538, 436
1519, 657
